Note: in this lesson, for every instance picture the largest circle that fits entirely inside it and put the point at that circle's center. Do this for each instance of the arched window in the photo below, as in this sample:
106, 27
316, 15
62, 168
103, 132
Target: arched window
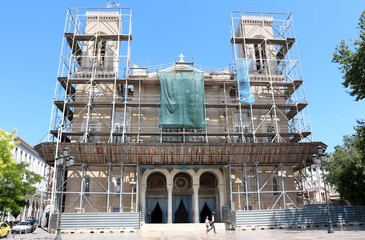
275, 186
260, 57
101, 53
244, 185
270, 129
207, 181
156, 181
87, 186
182, 184
118, 184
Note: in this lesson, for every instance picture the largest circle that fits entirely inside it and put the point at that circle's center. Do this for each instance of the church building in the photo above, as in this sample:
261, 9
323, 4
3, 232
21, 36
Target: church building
179, 142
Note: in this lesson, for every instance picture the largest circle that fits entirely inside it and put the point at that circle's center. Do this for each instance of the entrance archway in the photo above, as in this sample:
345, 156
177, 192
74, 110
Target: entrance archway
182, 199
208, 196
181, 214
156, 199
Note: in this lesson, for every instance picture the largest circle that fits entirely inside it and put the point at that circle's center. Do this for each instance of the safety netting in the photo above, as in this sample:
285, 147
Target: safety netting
243, 81
182, 100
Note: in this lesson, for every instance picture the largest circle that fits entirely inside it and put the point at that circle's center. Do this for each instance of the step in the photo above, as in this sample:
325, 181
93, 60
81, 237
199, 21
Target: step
158, 227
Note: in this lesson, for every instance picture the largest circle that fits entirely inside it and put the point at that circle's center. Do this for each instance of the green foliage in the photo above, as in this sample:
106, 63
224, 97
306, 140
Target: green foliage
352, 62
15, 180
346, 170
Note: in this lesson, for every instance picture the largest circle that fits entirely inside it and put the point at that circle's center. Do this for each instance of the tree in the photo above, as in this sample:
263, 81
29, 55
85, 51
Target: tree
352, 62
15, 180
346, 170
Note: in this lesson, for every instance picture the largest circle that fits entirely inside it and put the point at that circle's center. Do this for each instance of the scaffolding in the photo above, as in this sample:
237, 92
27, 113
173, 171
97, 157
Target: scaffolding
99, 97
253, 133
93, 69
268, 42
94, 65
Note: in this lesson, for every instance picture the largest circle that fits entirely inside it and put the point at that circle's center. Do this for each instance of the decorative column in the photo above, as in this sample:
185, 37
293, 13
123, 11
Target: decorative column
246, 187
196, 203
133, 184
239, 182
258, 185
143, 201
283, 186
221, 198
169, 202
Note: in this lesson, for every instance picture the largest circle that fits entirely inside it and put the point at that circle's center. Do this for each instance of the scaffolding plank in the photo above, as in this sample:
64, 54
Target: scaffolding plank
291, 108
294, 110
285, 44
91, 37
197, 153
68, 112
285, 48
70, 89
272, 41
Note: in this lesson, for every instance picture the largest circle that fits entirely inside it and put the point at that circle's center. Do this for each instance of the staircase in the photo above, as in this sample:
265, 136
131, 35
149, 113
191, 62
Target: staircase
179, 227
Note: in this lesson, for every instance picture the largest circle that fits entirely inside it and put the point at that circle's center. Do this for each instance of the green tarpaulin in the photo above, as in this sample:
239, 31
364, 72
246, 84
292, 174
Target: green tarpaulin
182, 100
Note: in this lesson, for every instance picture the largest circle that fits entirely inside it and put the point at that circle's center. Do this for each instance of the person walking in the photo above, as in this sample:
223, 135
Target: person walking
207, 223
212, 226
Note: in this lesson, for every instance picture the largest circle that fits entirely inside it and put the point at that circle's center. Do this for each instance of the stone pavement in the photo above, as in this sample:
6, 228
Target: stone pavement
343, 233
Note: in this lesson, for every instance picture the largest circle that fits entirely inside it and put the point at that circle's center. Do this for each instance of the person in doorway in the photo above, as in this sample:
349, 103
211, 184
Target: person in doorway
212, 224
207, 223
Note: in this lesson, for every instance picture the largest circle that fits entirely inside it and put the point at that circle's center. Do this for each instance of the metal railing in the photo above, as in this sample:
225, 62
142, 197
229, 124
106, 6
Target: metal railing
308, 216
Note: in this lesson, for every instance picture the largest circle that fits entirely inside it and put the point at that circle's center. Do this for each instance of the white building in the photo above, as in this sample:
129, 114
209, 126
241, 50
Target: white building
35, 203
317, 191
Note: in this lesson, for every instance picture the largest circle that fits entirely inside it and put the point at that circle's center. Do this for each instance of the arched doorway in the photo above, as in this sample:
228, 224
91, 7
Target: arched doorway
156, 199
181, 214
208, 196
182, 199
205, 212
156, 214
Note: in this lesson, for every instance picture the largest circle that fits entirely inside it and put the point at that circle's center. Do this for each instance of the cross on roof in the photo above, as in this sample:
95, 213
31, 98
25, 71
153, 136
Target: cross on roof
181, 56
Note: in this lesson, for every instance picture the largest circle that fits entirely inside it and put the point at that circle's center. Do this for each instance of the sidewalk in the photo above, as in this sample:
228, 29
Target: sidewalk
346, 233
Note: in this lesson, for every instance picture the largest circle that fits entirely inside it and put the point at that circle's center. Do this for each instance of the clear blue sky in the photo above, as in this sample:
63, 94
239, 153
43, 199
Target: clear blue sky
32, 33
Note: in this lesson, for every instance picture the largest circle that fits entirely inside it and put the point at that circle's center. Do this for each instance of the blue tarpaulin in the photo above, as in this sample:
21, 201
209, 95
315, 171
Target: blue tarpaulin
243, 81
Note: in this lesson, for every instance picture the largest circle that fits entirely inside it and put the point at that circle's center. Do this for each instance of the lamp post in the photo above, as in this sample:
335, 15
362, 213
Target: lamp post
239, 182
63, 161
132, 183
317, 159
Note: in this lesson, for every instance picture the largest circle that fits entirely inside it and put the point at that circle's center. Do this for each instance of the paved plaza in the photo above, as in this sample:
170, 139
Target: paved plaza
343, 233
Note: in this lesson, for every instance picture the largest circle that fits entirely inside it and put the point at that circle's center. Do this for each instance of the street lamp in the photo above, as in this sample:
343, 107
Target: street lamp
239, 182
132, 183
63, 161
317, 159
